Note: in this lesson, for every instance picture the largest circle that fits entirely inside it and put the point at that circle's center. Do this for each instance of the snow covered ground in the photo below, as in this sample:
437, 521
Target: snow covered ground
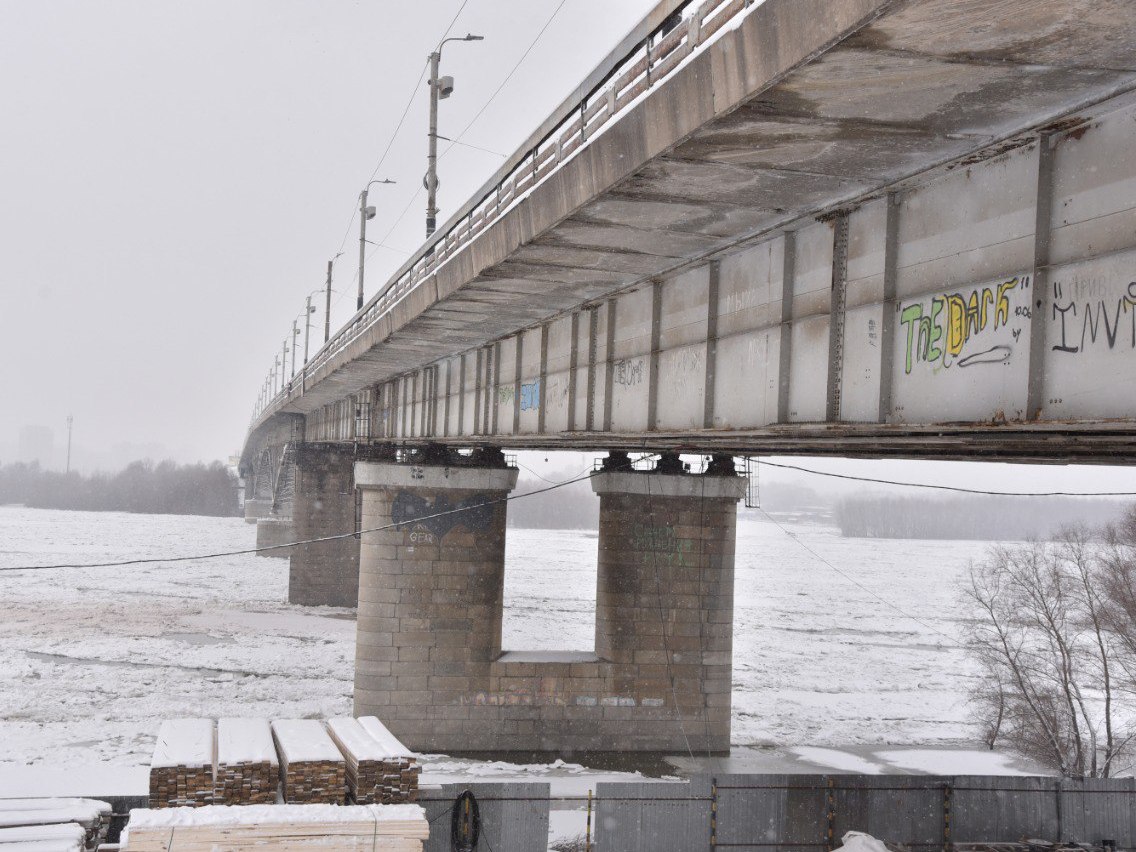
849, 669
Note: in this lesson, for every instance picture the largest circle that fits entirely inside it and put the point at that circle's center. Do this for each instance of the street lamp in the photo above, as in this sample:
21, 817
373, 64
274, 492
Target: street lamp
440, 88
365, 213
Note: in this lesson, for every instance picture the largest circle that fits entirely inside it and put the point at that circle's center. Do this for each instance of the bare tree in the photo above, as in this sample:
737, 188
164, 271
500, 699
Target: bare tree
1047, 642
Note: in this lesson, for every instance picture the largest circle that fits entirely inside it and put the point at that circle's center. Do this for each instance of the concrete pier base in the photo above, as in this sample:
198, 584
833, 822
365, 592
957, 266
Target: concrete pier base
257, 509
324, 573
428, 656
272, 531
430, 597
665, 608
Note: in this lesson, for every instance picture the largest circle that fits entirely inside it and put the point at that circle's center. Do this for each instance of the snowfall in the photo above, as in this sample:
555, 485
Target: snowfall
846, 655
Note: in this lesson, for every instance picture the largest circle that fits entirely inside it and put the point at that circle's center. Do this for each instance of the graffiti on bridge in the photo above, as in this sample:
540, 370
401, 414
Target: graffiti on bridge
1089, 304
944, 333
438, 518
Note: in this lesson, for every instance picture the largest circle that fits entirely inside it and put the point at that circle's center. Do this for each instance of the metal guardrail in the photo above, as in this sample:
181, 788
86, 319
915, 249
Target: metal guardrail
651, 61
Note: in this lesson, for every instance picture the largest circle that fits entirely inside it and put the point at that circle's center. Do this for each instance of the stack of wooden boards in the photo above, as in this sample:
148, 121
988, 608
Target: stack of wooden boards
378, 767
181, 771
311, 767
53, 825
247, 769
292, 828
245, 761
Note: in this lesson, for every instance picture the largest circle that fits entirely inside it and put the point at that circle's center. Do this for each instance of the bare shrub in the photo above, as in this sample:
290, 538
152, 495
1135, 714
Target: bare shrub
1055, 641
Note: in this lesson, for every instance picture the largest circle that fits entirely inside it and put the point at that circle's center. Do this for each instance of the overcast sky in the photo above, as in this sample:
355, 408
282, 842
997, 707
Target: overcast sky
175, 176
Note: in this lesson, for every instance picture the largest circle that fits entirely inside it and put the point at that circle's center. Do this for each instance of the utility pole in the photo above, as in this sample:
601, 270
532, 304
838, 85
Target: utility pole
327, 305
432, 151
307, 326
70, 420
365, 213
295, 331
440, 89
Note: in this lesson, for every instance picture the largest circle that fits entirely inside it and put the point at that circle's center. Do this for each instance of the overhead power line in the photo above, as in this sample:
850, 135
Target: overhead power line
860, 585
457, 140
955, 488
338, 536
508, 77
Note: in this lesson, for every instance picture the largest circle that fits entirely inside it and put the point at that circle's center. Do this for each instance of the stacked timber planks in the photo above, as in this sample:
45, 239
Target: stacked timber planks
311, 768
248, 772
396, 776
53, 822
283, 828
181, 771
64, 837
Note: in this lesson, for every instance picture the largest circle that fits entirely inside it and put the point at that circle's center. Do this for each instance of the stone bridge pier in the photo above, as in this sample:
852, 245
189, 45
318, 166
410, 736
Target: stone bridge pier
429, 660
324, 573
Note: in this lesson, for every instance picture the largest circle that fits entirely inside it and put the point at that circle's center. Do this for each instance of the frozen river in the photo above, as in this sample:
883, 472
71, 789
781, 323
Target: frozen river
831, 664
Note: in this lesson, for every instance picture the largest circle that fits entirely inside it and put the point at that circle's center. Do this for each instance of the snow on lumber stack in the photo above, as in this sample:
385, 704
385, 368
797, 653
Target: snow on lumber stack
311, 766
398, 773
266, 828
181, 771
65, 837
247, 770
54, 818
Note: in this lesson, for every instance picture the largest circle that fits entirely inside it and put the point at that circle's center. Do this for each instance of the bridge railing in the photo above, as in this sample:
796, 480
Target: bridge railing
647, 64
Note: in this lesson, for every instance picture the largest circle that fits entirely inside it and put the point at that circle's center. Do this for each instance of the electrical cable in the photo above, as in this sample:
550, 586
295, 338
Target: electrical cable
858, 584
957, 488
335, 537
401, 120
508, 77
457, 139
556, 481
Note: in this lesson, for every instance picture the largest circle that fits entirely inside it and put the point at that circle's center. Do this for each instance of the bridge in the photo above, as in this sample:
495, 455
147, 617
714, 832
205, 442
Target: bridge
872, 228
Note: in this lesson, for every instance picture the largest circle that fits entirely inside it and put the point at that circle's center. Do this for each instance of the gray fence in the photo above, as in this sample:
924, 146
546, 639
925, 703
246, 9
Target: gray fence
514, 817
784, 813
760, 813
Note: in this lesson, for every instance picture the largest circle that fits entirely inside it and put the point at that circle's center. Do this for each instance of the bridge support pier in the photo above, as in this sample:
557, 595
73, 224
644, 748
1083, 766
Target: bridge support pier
272, 530
324, 573
665, 604
256, 509
428, 651
430, 593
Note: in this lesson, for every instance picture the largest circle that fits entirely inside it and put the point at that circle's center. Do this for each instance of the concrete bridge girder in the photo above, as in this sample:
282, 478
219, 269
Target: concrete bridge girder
674, 285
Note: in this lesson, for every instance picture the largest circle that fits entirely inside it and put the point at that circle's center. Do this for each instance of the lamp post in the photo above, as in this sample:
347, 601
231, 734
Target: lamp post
295, 332
440, 88
365, 213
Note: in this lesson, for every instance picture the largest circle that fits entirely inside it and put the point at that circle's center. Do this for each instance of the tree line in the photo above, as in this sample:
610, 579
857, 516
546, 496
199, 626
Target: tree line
142, 486
975, 518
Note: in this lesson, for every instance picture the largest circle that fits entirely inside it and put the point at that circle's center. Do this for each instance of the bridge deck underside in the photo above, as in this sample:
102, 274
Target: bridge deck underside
783, 126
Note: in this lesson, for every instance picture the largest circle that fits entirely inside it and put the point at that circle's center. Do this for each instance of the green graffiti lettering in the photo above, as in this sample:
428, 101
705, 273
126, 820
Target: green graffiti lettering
911, 314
